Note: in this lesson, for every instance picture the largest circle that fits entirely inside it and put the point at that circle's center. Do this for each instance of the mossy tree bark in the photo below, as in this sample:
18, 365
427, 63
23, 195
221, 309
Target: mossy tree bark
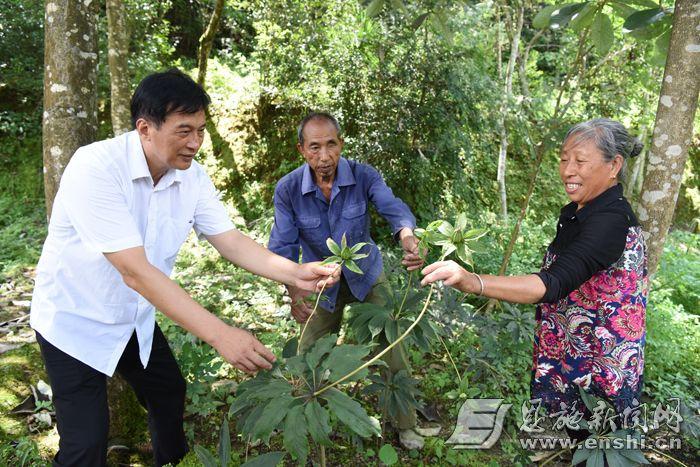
70, 96
117, 55
673, 129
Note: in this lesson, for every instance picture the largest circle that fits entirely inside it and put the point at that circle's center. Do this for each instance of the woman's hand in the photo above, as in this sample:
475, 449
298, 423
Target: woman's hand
452, 274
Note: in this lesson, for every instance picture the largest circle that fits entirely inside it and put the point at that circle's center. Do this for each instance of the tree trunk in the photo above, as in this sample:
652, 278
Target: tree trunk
118, 38
636, 169
503, 150
207, 40
70, 96
673, 128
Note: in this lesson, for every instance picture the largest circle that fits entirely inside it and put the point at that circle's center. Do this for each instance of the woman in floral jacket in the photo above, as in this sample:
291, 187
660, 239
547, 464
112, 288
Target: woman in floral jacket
592, 288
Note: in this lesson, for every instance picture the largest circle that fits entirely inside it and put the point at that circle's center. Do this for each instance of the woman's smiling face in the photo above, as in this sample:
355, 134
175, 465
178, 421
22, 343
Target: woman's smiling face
584, 171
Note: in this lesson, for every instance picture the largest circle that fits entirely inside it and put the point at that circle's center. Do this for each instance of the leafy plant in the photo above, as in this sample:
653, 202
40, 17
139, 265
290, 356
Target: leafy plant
289, 398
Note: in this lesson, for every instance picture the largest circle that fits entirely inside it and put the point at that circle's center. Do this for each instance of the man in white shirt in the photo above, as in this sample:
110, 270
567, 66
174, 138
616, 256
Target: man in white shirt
123, 209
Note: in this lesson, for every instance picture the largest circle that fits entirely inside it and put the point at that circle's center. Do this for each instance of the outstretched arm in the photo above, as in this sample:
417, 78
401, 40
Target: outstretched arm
517, 289
236, 346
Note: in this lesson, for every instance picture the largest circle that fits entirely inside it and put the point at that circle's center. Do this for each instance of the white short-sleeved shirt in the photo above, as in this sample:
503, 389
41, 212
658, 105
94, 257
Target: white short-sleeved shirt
106, 203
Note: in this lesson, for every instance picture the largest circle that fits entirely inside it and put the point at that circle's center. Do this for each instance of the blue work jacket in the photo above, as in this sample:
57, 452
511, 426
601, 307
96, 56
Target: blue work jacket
304, 218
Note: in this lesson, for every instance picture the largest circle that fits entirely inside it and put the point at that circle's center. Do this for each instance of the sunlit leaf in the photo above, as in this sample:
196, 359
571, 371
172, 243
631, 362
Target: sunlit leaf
333, 247
584, 18
351, 414
388, 455
332, 260
602, 33
374, 8
343, 242
542, 18
352, 266
561, 17
358, 246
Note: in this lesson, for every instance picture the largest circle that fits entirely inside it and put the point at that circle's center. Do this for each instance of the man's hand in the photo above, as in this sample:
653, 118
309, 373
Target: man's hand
242, 350
411, 258
314, 277
301, 311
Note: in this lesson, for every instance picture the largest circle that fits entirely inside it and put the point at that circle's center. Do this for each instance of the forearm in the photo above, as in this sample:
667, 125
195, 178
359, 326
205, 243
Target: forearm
245, 252
174, 302
517, 289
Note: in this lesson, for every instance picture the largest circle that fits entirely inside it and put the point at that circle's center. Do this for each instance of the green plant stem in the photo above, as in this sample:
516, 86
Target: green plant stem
323, 456
388, 348
405, 295
449, 355
318, 299
669, 456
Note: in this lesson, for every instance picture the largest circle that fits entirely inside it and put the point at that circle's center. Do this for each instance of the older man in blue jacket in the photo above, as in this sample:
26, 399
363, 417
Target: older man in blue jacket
326, 197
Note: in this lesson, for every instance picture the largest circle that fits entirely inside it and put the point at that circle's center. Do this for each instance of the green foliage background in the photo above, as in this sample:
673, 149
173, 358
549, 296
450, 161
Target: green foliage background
417, 91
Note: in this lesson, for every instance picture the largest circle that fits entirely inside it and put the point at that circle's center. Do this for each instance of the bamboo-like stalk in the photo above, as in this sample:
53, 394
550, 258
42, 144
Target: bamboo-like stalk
313, 312
383, 352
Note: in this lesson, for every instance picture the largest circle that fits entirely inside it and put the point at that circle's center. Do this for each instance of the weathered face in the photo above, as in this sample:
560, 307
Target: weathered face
585, 172
321, 149
175, 143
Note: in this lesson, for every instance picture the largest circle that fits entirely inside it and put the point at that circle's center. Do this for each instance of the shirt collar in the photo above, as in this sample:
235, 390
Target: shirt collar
138, 167
612, 194
343, 177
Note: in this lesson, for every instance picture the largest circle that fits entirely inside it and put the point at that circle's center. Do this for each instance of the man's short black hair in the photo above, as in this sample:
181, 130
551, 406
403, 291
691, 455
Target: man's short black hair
159, 94
316, 116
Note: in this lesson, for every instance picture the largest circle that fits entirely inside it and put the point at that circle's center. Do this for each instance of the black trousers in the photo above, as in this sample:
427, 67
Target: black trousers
80, 399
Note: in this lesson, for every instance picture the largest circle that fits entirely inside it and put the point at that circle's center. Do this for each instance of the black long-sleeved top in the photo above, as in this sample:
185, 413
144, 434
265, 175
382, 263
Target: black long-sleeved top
587, 241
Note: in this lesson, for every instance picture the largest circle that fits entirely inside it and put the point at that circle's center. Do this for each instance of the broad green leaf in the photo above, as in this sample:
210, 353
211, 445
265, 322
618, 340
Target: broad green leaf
621, 9
588, 400
295, 434
343, 242
378, 322
205, 457
447, 249
388, 455
332, 260
644, 18
270, 459
343, 359
333, 247
446, 229
615, 459
418, 22
602, 33
271, 416
541, 19
635, 455
398, 5
247, 426
297, 365
581, 454
320, 349
357, 247
439, 20
391, 329
359, 256
561, 17
272, 389
461, 221
290, 347
661, 48
653, 30
351, 414
224, 444
465, 255
317, 422
352, 266
596, 459
584, 18
374, 8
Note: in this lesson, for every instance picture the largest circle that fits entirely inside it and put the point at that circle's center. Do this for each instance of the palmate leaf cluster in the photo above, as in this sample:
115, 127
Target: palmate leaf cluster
344, 255
283, 399
627, 456
375, 323
452, 239
398, 393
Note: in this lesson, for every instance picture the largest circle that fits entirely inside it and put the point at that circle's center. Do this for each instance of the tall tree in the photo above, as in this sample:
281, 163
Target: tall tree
673, 128
118, 50
207, 40
70, 97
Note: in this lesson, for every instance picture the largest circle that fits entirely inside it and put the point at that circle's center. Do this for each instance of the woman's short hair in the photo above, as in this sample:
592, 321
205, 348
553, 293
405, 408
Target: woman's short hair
610, 137
162, 93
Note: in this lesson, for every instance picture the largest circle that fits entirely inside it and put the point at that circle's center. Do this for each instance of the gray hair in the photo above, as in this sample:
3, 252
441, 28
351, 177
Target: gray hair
316, 116
610, 137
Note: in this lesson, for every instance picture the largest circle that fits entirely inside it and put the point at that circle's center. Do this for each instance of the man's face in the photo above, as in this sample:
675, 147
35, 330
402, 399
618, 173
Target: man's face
175, 143
321, 149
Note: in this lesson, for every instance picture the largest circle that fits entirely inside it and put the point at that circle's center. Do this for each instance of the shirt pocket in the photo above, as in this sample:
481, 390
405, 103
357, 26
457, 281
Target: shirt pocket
355, 215
173, 234
309, 229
